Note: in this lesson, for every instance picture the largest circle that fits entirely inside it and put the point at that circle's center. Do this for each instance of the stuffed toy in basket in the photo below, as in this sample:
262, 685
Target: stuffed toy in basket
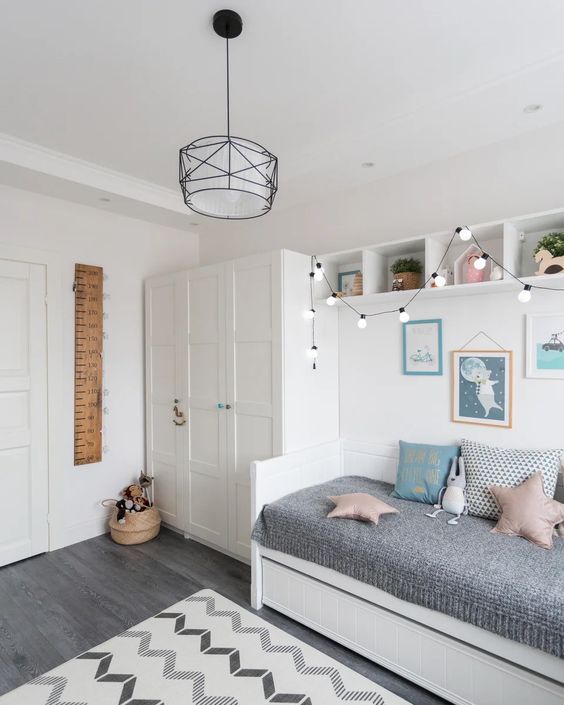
135, 519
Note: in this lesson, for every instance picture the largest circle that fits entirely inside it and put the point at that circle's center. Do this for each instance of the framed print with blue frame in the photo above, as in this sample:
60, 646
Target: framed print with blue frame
346, 281
423, 347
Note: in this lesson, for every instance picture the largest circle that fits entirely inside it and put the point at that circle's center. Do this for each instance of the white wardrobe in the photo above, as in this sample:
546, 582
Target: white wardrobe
229, 382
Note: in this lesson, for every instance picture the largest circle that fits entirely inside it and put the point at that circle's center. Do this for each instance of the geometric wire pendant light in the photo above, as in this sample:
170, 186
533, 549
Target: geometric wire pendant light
225, 176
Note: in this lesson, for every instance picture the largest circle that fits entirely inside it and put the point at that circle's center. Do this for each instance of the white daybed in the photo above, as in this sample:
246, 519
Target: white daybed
463, 663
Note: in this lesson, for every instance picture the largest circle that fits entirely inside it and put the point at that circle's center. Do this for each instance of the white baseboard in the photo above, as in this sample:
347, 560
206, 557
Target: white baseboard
68, 535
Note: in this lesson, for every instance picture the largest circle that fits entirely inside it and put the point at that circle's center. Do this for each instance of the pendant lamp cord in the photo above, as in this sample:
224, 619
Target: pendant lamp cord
228, 111
227, 55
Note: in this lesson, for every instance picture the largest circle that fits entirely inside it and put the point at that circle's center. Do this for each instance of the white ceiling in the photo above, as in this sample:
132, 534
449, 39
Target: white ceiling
324, 84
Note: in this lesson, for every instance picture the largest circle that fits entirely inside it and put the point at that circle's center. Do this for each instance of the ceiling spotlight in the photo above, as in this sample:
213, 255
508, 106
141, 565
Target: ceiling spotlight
464, 232
403, 315
362, 321
367, 165
438, 279
308, 315
525, 295
480, 262
332, 300
319, 271
532, 108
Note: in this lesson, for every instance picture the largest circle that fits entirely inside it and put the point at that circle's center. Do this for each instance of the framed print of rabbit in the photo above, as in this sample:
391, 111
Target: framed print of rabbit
482, 387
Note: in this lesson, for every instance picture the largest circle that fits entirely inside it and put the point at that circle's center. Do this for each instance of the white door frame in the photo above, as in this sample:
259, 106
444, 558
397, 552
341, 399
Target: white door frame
54, 319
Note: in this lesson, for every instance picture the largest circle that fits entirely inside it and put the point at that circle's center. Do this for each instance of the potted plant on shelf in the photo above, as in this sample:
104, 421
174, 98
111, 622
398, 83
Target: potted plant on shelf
549, 253
407, 273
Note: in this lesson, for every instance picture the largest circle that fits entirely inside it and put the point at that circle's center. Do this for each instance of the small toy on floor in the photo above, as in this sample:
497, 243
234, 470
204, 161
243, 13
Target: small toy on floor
452, 498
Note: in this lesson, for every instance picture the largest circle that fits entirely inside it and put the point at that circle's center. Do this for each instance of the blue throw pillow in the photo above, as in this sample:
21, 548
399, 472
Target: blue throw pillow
422, 471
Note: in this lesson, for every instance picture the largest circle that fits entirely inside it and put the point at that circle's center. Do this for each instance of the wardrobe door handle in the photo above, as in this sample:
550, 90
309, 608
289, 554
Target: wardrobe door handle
228, 406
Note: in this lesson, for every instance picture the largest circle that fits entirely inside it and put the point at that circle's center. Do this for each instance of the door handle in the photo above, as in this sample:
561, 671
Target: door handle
219, 405
178, 415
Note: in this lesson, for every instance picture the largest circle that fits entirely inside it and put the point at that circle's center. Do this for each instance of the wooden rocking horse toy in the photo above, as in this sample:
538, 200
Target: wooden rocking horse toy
549, 264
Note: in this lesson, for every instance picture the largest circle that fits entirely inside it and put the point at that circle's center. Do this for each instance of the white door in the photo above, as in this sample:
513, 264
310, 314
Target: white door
254, 381
23, 411
207, 495
166, 322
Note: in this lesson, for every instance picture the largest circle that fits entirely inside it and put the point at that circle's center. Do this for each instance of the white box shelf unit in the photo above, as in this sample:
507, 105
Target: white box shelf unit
510, 242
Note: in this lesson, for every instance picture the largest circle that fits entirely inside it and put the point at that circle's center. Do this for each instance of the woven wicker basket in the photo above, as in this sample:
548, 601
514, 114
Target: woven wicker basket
138, 528
411, 280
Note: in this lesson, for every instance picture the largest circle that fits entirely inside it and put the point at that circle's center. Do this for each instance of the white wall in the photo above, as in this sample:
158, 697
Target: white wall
515, 177
129, 251
311, 397
379, 403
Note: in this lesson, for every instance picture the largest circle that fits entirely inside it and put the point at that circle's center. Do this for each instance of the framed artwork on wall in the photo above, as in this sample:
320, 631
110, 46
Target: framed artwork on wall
545, 345
482, 387
423, 347
346, 281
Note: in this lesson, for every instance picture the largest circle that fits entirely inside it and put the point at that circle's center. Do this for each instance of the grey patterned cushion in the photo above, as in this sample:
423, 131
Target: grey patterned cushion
487, 465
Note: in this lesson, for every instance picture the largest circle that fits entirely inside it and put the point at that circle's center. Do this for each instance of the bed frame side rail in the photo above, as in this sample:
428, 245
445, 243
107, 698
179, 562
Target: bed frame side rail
276, 477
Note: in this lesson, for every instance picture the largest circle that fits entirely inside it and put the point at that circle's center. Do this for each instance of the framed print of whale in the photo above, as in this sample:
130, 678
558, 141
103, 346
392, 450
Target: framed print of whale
482, 387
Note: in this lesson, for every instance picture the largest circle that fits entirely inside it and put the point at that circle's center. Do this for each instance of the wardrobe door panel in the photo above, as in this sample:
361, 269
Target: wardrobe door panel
165, 355
253, 325
207, 495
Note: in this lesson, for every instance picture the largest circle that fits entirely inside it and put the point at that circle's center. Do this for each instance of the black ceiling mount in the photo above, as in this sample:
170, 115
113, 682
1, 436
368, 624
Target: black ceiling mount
228, 24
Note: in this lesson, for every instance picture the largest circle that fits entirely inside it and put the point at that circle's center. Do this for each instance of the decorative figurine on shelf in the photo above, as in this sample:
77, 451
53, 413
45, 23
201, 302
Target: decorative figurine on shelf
549, 253
397, 284
452, 498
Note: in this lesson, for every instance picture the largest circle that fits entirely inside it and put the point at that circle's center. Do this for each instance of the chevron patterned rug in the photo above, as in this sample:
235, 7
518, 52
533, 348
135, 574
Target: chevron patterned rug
204, 650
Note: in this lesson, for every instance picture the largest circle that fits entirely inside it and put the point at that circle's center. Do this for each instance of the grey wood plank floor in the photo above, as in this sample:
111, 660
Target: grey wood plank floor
59, 604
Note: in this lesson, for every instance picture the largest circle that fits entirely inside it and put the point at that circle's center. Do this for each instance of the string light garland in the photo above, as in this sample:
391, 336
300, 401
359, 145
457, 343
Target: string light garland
317, 273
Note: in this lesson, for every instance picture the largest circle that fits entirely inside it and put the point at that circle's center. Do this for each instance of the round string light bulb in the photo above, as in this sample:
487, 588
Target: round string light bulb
319, 271
438, 279
480, 262
525, 295
362, 321
464, 233
308, 315
332, 300
312, 352
403, 315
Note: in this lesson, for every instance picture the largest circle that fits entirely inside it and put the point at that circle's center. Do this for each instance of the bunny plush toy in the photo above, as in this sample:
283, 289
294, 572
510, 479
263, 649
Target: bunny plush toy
452, 498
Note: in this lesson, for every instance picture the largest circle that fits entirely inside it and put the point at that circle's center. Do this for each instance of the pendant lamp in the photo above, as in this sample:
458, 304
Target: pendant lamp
225, 176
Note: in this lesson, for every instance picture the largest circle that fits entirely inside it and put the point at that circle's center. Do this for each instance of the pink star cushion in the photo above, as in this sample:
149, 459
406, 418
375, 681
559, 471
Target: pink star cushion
526, 511
360, 506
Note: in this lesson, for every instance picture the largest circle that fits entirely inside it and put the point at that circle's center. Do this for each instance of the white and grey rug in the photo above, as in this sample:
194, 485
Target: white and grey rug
204, 650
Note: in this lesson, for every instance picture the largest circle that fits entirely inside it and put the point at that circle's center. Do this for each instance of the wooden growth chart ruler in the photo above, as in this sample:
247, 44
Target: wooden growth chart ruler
88, 348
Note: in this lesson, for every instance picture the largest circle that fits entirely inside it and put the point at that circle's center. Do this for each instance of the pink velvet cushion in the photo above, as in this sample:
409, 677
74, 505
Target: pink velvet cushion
526, 511
360, 506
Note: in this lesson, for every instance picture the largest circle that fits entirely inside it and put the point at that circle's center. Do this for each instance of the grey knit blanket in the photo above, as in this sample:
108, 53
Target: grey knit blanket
500, 583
